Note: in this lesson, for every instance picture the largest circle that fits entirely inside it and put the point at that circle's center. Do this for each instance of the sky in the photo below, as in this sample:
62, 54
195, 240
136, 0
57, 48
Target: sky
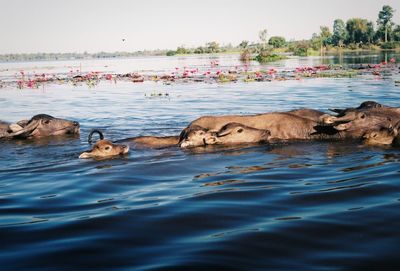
31, 26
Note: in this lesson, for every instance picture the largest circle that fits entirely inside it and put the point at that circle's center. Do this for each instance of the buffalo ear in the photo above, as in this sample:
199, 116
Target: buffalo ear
85, 155
223, 131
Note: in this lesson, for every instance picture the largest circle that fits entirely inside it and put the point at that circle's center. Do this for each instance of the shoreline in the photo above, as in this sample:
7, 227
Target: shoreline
280, 51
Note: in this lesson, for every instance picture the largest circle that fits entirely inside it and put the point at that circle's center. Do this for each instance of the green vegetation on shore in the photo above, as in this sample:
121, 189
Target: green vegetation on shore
355, 34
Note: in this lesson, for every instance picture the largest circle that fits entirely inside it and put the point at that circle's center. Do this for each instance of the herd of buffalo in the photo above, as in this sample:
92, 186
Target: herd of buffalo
371, 122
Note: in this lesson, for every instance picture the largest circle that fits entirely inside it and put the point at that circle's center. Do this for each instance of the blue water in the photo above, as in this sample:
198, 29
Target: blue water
291, 206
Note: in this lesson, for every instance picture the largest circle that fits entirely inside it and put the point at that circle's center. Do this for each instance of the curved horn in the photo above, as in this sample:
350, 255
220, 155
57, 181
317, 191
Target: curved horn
25, 131
90, 141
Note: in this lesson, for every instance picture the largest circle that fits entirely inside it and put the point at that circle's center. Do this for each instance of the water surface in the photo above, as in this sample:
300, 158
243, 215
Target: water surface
292, 206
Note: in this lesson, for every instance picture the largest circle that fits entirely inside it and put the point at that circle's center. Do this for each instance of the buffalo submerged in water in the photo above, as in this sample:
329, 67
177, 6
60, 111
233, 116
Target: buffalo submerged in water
363, 122
41, 125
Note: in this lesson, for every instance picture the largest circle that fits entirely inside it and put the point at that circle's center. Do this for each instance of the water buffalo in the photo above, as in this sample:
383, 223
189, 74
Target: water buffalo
41, 125
236, 133
308, 113
349, 114
362, 107
282, 126
105, 148
356, 124
385, 135
194, 136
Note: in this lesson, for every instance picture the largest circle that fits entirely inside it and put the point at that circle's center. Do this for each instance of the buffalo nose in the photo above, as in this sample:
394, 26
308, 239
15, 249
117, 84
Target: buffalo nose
76, 123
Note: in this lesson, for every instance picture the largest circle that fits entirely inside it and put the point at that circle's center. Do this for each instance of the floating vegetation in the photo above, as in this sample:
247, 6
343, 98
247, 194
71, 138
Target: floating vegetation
212, 74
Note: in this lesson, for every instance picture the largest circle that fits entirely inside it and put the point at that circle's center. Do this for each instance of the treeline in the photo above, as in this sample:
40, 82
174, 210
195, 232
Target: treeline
71, 56
355, 33
209, 48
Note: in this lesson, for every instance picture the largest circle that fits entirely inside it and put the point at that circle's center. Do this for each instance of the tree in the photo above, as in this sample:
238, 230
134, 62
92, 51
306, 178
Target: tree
326, 35
263, 38
263, 35
244, 44
277, 42
370, 34
339, 33
181, 50
385, 20
396, 33
213, 47
357, 30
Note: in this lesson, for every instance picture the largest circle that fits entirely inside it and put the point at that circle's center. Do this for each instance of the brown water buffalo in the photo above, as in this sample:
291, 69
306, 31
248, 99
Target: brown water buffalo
359, 123
385, 135
308, 113
349, 114
103, 149
362, 107
236, 133
282, 126
41, 125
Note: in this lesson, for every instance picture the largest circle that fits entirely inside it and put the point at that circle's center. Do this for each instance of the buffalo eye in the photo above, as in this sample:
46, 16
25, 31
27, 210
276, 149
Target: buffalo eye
107, 148
240, 130
46, 121
362, 116
374, 135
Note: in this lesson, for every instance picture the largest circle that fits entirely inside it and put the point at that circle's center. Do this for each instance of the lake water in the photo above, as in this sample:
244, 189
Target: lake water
292, 206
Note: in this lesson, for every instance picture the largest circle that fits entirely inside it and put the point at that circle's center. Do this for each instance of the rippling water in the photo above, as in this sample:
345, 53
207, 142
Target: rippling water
293, 206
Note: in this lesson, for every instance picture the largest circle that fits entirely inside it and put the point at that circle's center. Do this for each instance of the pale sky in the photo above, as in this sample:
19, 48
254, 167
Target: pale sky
30, 26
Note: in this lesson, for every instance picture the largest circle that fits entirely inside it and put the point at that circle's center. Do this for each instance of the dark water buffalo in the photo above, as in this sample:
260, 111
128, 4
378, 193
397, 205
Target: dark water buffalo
41, 125
362, 107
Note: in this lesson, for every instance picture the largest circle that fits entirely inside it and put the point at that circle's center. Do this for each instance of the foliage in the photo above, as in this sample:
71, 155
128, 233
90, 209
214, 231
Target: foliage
171, 53
358, 30
268, 58
277, 42
181, 50
263, 35
300, 48
339, 33
384, 21
390, 45
244, 44
396, 33
245, 56
265, 54
213, 47
200, 50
